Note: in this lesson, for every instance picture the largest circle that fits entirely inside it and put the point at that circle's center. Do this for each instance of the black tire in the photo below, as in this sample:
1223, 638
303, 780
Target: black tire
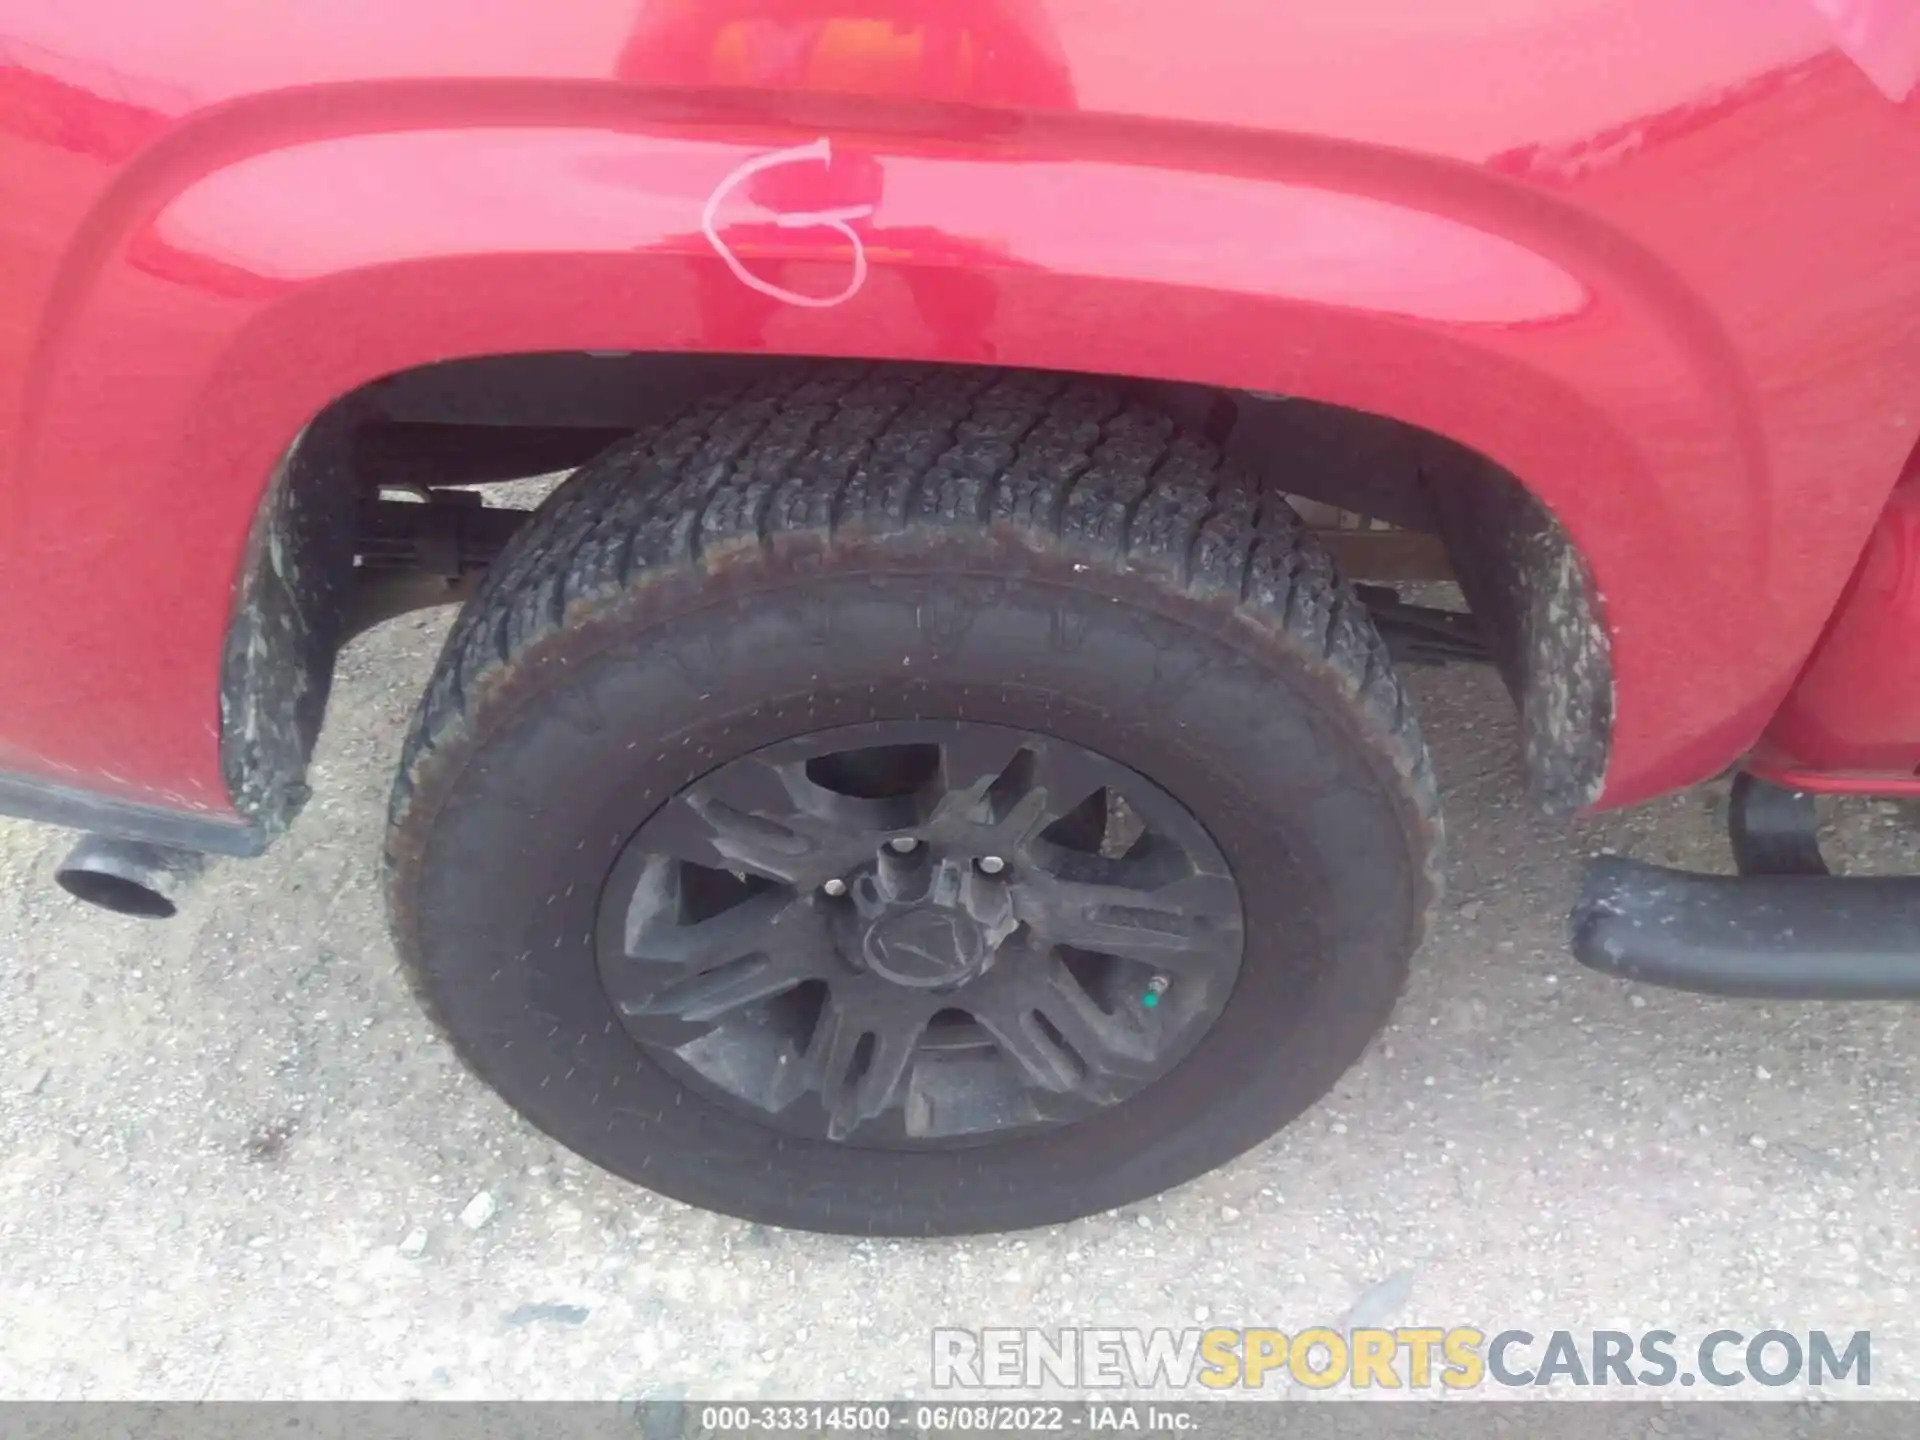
850, 543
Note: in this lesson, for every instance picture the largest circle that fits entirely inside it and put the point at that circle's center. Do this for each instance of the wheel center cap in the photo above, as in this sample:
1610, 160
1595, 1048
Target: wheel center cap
925, 947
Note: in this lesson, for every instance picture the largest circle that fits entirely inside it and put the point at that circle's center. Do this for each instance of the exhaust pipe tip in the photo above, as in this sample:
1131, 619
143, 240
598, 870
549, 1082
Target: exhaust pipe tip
129, 877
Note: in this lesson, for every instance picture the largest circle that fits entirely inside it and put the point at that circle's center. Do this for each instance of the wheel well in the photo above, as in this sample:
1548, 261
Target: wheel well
1368, 465
328, 557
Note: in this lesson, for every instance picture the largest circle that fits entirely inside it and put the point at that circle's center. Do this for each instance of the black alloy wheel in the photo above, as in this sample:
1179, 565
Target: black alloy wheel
917, 933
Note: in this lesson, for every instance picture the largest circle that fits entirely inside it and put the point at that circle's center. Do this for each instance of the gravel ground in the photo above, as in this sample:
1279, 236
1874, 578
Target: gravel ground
236, 1163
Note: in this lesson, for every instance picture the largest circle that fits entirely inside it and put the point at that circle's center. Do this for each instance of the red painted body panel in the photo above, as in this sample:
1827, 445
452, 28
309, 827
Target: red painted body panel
1659, 258
1852, 721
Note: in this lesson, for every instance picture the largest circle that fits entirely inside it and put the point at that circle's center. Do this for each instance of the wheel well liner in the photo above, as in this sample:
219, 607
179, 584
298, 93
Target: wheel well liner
1520, 572
288, 624
1538, 607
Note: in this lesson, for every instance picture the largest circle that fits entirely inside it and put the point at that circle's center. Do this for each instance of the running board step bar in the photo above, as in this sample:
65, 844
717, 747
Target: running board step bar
1785, 937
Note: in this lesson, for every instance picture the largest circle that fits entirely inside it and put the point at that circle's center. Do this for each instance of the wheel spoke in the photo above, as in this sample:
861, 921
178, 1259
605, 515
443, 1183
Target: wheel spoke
770, 821
883, 1083
849, 826
864, 1067
972, 760
1015, 784
1186, 923
767, 944
1067, 777
713, 836
709, 994
1108, 1044
1040, 1060
857, 1059
1053, 1033
758, 923
750, 816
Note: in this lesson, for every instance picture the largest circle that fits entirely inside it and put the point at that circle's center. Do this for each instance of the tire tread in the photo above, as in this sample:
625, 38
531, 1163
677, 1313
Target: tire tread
823, 448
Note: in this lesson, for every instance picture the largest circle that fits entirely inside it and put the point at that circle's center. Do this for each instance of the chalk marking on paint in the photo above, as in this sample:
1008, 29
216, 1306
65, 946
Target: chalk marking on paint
836, 219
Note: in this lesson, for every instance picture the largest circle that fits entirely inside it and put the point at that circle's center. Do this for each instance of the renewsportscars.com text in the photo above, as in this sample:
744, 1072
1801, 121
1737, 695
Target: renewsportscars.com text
1417, 1358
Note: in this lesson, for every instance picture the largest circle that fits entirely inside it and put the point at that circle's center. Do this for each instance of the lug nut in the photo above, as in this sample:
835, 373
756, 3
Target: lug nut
835, 887
991, 864
902, 844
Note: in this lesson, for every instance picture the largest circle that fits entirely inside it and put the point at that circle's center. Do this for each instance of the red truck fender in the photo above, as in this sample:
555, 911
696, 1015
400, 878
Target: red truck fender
268, 255
269, 260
